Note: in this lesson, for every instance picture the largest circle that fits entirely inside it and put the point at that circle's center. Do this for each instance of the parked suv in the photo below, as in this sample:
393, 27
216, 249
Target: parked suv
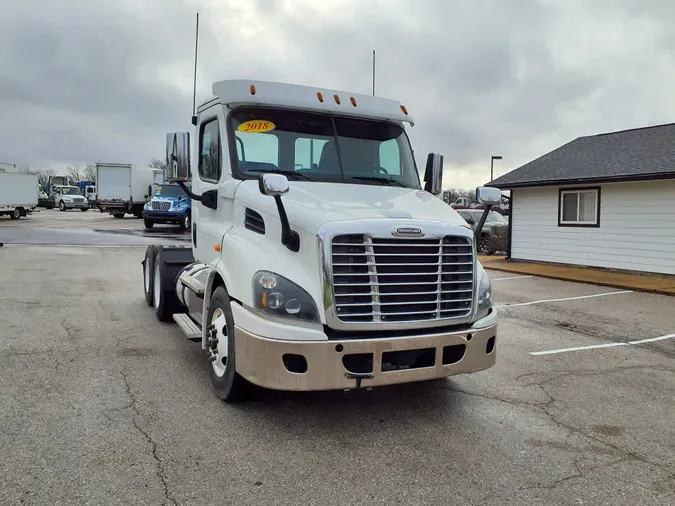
494, 233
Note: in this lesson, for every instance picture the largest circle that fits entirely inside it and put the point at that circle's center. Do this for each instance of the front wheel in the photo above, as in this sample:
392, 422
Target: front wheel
118, 215
62, 206
185, 221
16, 214
227, 383
84, 209
148, 223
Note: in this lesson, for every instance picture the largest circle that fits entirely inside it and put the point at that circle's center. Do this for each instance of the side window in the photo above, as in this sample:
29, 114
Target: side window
307, 152
390, 158
210, 152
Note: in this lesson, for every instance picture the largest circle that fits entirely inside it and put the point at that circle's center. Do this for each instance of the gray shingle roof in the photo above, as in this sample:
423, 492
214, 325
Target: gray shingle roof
642, 153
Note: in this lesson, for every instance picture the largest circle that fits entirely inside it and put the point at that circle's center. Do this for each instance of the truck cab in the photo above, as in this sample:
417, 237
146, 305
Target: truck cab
168, 204
70, 197
319, 259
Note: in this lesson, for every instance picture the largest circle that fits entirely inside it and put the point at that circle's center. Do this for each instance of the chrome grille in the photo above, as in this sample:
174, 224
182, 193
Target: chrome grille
160, 205
399, 280
78, 200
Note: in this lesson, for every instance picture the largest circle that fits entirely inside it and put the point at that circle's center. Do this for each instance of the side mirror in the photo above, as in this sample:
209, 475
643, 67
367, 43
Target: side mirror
177, 166
273, 184
433, 174
488, 196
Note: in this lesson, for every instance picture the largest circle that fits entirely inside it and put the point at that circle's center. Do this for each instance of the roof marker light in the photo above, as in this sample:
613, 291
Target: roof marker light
337, 99
319, 96
405, 111
353, 101
253, 89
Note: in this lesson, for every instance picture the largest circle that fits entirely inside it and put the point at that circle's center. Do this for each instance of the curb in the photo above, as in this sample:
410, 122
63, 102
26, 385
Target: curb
560, 277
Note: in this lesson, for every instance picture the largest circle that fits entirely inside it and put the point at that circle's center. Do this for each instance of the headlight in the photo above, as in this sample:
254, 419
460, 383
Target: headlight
148, 205
278, 296
485, 301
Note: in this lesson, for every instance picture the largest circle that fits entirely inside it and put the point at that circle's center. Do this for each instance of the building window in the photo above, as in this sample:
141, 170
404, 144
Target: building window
579, 207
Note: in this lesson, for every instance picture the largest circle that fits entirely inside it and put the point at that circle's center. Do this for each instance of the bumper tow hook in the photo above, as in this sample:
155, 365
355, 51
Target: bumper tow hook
359, 377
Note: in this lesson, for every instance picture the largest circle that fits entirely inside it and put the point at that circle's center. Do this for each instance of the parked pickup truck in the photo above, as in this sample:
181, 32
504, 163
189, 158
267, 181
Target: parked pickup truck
169, 204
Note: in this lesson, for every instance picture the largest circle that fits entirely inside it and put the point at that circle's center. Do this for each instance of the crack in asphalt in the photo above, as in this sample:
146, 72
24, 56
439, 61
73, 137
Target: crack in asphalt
546, 408
160, 466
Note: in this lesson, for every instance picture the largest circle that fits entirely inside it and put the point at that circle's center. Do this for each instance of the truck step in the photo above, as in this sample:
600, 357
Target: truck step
189, 328
192, 283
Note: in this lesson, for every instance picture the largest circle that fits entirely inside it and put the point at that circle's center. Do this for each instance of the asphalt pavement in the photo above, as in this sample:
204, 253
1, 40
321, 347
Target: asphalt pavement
74, 227
102, 404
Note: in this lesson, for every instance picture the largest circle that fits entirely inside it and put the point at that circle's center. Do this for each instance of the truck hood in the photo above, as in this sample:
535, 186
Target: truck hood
309, 205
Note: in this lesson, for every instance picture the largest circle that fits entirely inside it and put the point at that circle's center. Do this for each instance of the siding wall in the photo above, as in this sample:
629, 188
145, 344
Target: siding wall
637, 228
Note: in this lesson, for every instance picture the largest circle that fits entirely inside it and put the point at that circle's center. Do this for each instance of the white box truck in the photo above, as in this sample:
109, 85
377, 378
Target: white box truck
7, 167
319, 259
123, 188
18, 194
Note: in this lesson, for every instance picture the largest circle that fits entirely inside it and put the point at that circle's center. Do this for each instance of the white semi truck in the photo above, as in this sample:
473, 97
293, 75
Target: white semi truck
18, 194
122, 188
319, 261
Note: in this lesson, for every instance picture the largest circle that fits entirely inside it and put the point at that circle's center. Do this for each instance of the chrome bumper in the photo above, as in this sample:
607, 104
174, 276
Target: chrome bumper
261, 360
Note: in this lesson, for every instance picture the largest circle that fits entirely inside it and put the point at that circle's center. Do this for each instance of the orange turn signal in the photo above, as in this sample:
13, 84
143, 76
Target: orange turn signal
218, 248
253, 89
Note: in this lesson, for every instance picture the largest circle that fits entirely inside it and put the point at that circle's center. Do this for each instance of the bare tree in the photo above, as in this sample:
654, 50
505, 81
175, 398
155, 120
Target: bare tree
43, 176
75, 172
157, 163
90, 172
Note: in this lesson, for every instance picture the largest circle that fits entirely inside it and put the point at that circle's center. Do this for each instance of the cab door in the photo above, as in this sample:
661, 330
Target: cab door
208, 224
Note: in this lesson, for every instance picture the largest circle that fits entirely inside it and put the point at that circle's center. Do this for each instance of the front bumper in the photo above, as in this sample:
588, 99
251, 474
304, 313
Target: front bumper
344, 364
169, 216
76, 205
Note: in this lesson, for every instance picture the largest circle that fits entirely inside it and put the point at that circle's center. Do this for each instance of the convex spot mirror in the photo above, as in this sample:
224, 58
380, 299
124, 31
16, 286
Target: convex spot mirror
273, 184
488, 196
177, 166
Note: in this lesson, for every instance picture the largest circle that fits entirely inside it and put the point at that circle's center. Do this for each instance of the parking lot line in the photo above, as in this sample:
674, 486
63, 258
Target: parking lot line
578, 348
563, 299
511, 277
606, 345
651, 340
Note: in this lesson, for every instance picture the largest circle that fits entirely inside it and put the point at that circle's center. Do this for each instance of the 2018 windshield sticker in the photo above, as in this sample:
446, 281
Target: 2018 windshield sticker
256, 126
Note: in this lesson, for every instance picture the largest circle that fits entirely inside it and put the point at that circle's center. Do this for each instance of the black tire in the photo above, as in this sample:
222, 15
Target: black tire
62, 206
84, 209
119, 216
229, 386
185, 222
484, 246
148, 223
164, 298
148, 264
16, 214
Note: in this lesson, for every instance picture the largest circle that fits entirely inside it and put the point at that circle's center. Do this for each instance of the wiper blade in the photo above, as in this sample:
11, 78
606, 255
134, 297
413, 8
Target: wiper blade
291, 173
380, 179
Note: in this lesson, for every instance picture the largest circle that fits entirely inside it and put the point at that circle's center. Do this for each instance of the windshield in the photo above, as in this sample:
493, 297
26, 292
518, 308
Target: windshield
318, 147
70, 190
169, 191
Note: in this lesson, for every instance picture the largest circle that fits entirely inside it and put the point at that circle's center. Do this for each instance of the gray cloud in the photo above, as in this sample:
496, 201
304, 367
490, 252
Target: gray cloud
83, 81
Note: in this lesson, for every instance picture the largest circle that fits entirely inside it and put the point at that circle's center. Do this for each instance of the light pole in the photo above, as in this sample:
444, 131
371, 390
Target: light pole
492, 165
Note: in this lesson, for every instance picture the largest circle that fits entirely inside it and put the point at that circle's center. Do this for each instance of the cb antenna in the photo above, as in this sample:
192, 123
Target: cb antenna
194, 80
373, 72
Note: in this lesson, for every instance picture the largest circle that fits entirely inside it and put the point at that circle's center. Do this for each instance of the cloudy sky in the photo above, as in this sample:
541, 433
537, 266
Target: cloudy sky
103, 80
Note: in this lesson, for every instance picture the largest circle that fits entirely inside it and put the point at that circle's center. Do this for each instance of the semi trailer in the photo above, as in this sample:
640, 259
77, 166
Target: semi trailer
319, 260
